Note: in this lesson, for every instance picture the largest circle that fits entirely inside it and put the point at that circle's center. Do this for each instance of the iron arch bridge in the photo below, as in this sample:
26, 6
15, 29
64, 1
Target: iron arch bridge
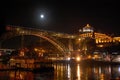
47, 35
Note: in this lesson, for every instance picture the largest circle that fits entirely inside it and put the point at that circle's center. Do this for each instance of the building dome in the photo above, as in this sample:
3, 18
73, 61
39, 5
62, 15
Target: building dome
87, 28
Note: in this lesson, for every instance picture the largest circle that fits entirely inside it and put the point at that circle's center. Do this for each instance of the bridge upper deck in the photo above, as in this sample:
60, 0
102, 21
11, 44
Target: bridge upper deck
26, 30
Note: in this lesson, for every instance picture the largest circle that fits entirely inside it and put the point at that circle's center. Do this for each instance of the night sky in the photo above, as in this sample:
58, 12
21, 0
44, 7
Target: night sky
62, 16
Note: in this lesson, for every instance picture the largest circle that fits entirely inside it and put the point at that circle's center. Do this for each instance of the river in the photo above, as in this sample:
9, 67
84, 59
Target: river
67, 71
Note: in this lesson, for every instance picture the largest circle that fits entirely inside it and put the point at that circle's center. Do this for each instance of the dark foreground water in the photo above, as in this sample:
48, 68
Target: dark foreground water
67, 72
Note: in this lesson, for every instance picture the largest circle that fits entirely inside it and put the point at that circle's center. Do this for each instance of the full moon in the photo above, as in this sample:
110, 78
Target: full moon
41, 16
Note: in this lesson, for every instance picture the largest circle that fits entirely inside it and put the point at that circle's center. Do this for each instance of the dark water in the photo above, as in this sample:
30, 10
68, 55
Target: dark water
67, 72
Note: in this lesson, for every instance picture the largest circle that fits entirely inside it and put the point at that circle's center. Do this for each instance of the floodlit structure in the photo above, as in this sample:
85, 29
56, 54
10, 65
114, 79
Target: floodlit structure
100, 38
87, 28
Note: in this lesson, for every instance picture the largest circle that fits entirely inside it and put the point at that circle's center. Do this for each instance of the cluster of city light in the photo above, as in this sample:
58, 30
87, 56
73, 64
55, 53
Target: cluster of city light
88, 31
40, 51
77, 58
103, 40
116, 39
99, 37
86, 35
95, 56
21, 53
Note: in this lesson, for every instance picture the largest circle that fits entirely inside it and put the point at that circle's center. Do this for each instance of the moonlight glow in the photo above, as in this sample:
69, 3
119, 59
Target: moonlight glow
41, 16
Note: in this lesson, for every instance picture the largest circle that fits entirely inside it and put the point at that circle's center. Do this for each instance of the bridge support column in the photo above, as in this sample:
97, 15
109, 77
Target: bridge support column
70, 45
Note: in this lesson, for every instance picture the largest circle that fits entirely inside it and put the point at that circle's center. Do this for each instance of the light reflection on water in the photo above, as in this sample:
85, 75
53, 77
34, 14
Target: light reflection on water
78, 72
65, 71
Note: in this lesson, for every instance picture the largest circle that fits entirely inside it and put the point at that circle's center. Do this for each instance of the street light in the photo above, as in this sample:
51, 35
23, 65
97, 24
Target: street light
78, 58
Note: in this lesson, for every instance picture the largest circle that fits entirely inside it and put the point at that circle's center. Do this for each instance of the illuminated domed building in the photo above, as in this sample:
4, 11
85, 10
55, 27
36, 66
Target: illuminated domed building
87, 28
96, 44
100, 38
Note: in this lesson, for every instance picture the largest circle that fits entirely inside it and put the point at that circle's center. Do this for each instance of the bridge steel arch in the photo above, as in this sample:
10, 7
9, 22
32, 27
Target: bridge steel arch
19, 31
